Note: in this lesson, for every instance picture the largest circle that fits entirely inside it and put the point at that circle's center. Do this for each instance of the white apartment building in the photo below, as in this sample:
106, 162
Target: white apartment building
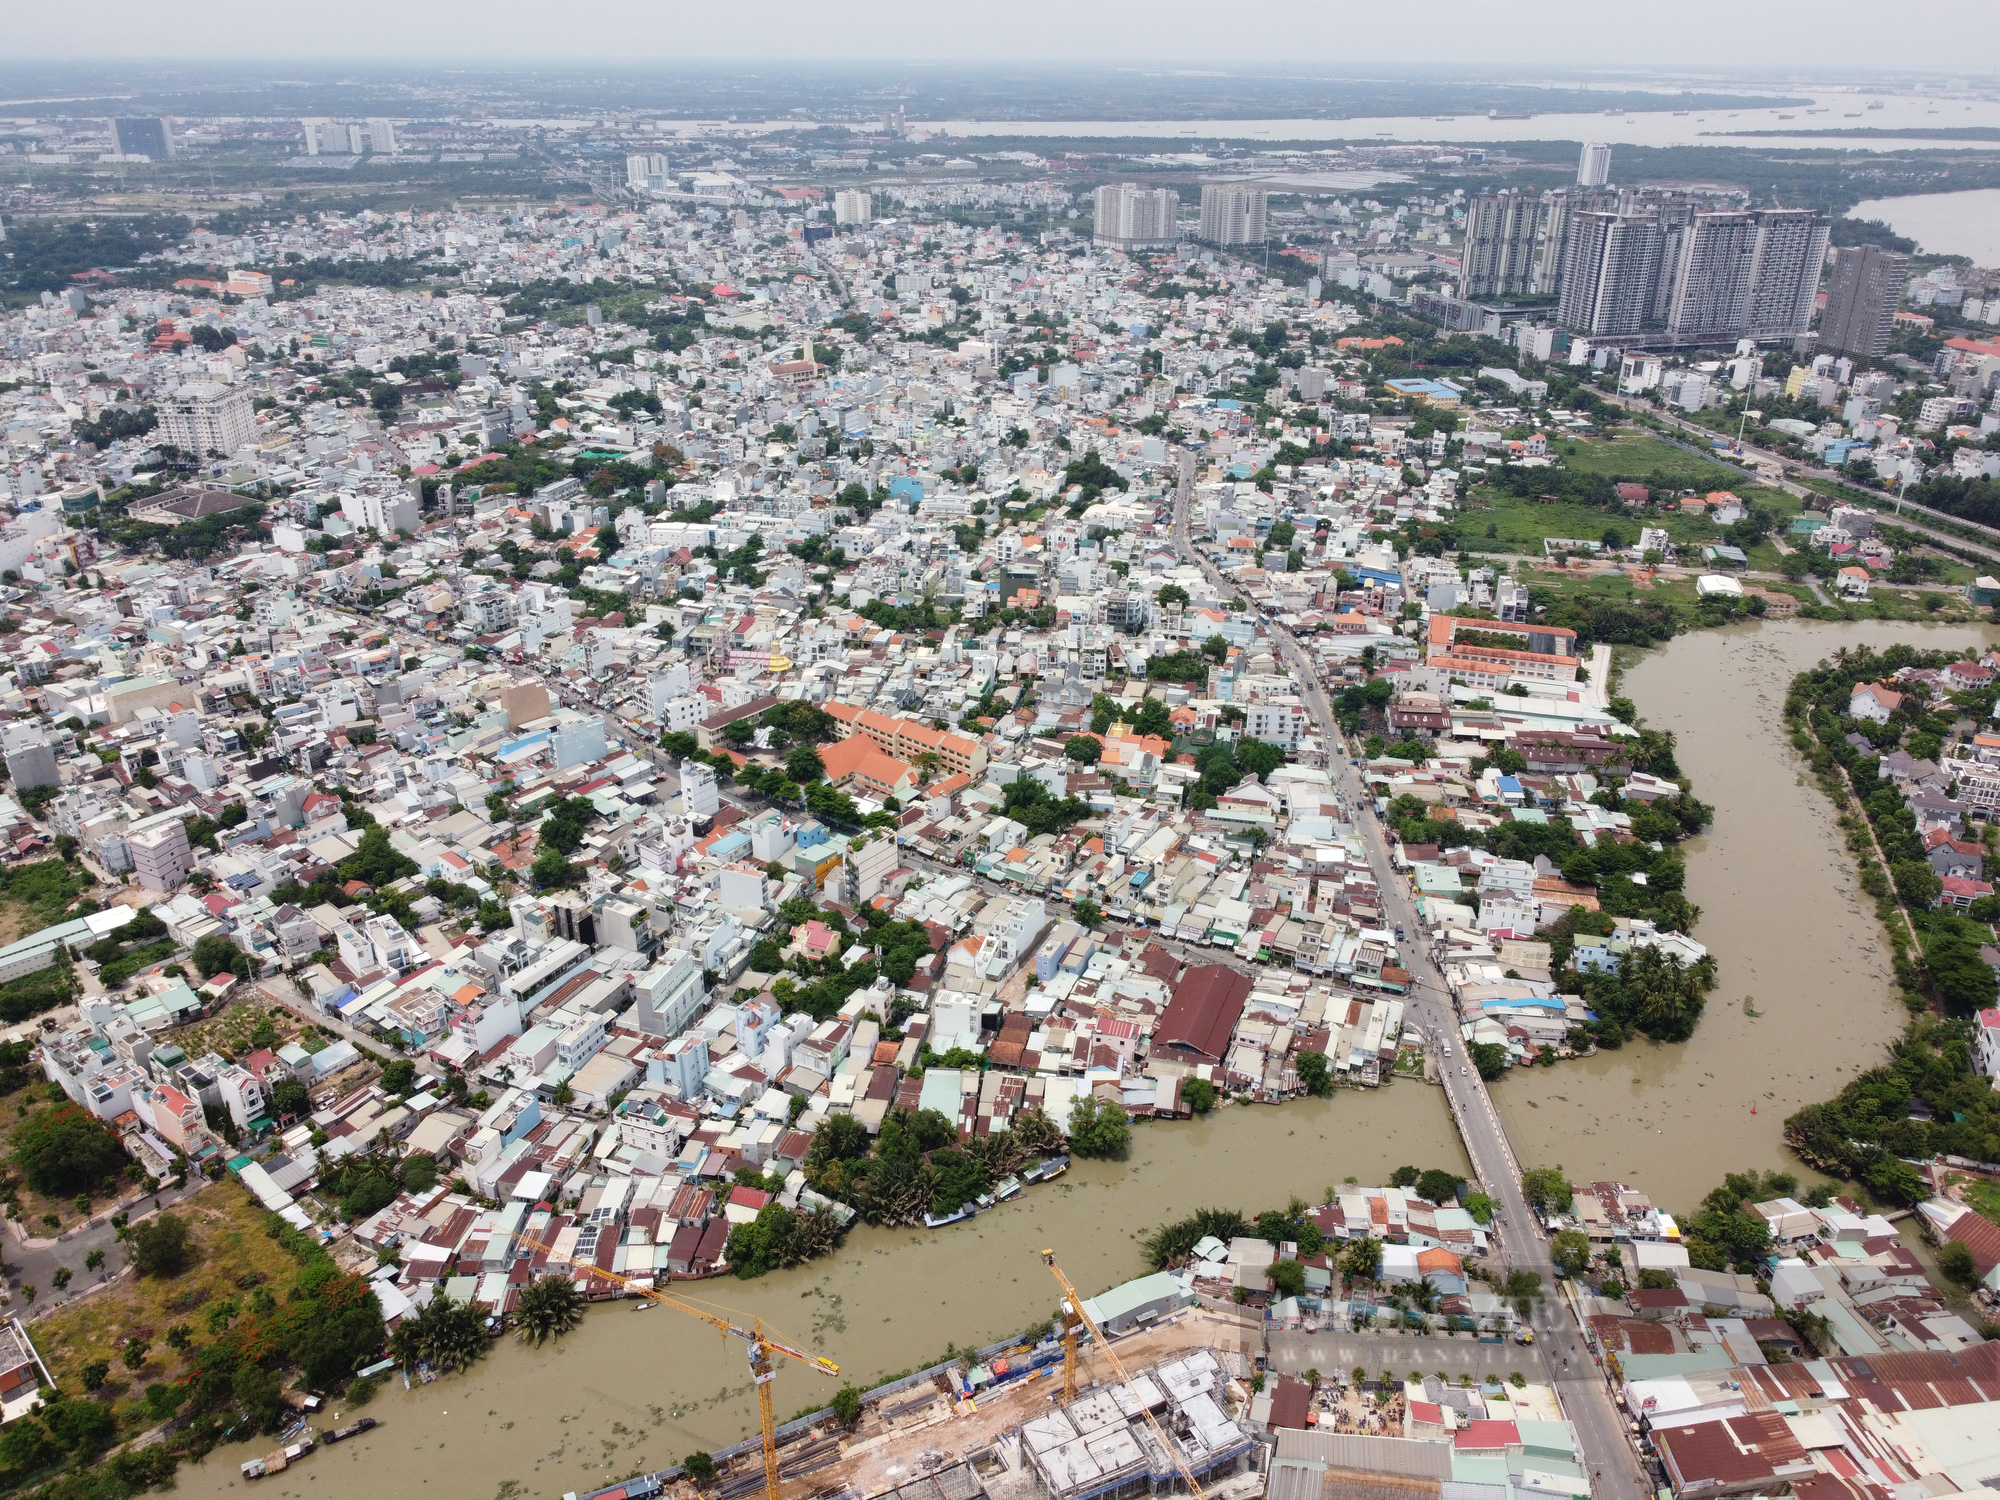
1232, 214
207, 418
646, 169
853, 206
1275, 723
160, 855
1130, 217
386, 513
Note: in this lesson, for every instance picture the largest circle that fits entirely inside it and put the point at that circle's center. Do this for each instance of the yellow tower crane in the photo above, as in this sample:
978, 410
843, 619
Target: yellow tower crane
762, 1346
1073, 1314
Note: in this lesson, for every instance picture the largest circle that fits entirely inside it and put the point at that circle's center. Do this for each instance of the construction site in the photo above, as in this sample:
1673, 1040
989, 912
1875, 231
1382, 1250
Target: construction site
1071, 1417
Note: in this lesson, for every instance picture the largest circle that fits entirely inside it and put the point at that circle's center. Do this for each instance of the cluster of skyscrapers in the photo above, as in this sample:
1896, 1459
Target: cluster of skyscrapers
1625, 264
1127, 216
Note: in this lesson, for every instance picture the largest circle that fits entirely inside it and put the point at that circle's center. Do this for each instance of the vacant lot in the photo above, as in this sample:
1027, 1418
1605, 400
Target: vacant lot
234, 1259
1644, 459
1497, 521
242, 1028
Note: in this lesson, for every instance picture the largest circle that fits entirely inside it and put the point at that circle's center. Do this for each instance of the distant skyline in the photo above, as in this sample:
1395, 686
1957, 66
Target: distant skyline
1704, 35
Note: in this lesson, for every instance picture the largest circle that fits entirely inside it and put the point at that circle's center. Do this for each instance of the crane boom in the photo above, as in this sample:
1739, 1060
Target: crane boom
1074, 1305
761, 1347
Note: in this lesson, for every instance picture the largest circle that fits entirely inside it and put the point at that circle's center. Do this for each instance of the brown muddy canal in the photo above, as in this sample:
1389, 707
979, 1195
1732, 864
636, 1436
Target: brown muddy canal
630, 1392
1803, 995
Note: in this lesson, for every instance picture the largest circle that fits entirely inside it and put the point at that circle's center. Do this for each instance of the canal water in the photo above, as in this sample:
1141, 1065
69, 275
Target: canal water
1804, 996
635, 1391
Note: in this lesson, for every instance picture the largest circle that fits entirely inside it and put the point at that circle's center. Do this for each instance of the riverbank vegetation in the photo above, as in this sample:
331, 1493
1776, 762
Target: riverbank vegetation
1925, 1100
201, 1347
1934, 948
916, 1165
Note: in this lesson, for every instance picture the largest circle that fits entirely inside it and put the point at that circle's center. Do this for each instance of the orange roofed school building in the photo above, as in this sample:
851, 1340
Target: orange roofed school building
859, 760
906, 739
1471, 650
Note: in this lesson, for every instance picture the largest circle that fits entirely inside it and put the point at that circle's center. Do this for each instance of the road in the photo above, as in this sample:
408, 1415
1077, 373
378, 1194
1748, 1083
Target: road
33, 1261
1519, 1243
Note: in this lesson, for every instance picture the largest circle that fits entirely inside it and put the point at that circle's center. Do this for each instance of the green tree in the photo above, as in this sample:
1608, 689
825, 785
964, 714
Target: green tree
1097, 1129
65, 1150
446, 1334
399, 1077
1087, 912
803, 765
1955, 1260
94, 1374
1490, 1058
1198, 1094
1438, 1186
551, 871
1315, 1077
1570, 1249
548, 1308
1288, 1278
214, 954
1547, 1190
1362, 1260
847, 1405
1173, 593
700, 1468
162, 1246
1084, 749
135, 1352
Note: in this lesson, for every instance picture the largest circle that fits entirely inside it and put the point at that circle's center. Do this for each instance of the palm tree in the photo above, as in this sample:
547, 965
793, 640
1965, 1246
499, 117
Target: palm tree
444, 1334
548, 1308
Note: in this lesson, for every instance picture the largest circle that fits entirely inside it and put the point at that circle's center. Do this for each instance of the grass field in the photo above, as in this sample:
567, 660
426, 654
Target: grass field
1641, 457
1497, 521
1982, 1197
234, 1258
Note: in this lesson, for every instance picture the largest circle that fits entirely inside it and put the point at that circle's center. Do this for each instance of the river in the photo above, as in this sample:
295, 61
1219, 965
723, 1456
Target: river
1965, 223
1804, 996
627, 1392
1830, 111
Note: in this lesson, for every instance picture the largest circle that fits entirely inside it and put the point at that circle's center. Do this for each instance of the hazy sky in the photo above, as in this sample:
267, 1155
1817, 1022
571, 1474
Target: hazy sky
1458, 34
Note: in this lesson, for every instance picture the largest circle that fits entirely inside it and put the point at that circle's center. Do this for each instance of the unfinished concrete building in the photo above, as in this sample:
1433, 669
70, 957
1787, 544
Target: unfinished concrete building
1101, 1445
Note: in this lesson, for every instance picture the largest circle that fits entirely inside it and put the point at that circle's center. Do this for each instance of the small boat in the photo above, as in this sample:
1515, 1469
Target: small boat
646, 1304
342, 1434
1874, 103
1007, 1187
1852, 114
935, 1221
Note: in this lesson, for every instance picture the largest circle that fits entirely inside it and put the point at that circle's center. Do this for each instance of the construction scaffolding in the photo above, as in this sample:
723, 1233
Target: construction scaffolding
1107, 1444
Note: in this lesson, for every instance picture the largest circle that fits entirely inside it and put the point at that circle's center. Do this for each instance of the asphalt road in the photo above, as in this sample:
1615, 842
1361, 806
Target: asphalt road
34, 1262
1518, 1240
